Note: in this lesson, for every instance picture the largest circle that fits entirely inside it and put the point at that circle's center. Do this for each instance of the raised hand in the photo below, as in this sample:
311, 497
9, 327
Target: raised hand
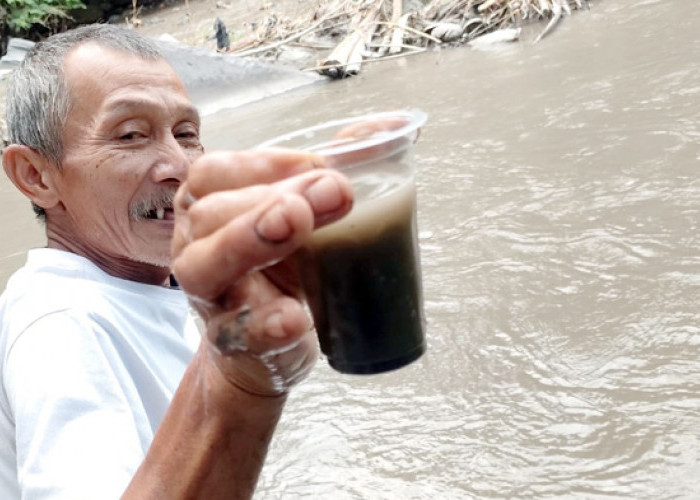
239, 217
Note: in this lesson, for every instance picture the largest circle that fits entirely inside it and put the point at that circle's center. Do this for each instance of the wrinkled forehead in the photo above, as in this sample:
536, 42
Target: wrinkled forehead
97, 76
92, 68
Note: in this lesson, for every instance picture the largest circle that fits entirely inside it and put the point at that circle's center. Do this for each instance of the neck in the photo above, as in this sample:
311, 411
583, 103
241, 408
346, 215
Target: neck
118, 267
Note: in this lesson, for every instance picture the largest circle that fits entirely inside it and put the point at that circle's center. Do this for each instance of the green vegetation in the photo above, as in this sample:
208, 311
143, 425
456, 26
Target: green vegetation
21, 15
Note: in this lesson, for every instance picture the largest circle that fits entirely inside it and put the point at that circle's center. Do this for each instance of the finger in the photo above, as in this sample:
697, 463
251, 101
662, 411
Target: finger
366, 129
266, 350
266, 329
265, 235
271, 374
380, 143
215, 210
237, 169
329, 199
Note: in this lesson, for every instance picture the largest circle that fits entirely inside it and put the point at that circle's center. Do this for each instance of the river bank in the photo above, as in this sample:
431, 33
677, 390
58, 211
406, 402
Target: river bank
558, 223
335, 37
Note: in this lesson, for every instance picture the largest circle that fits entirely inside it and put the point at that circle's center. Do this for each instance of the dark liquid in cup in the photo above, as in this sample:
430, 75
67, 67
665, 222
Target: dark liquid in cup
362, 280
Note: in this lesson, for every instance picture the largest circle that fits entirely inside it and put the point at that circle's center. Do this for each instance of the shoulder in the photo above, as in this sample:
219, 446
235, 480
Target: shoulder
42, 301
62, 339
60, 355
54, 282
79, 314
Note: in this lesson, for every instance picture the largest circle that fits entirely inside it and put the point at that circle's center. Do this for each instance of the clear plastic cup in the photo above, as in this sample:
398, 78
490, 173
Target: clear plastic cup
361, 275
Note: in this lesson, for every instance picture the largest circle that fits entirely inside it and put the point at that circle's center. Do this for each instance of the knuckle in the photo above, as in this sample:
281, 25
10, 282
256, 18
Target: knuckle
204, 168
197, 215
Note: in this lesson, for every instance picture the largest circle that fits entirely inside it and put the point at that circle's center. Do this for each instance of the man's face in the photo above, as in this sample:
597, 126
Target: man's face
128, 141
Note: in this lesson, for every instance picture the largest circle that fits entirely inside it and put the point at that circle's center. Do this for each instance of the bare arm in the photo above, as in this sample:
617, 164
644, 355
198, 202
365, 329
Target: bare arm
238, 218
212, 443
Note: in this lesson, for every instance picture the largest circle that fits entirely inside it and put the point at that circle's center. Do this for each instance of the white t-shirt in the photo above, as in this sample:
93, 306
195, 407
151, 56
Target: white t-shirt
88, 364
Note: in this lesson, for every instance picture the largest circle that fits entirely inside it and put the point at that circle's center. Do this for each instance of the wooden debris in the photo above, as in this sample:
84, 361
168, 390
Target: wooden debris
446, 32
416, 32
346, 58
474, 27
500, 36
488, 4
399, 33
411, 52
556, 16
241, 52
374, 30
396, 11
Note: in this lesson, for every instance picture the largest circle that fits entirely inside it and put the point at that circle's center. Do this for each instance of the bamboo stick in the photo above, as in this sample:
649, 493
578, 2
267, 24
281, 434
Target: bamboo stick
396, 11
379, 59
398, 34
556, 16
375, 28
346, 58
414, 31
296, 36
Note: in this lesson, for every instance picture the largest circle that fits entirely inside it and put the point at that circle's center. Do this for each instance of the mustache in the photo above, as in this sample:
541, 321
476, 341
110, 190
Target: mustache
161, 199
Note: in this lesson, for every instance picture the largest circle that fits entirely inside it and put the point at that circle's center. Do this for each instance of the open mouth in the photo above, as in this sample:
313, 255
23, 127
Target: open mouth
158, 207
160, 214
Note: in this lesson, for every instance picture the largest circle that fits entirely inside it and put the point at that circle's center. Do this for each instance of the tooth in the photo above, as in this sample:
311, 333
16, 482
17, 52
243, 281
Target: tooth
160, 212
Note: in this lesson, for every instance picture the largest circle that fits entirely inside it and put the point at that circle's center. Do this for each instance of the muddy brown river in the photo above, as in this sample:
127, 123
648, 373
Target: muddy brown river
559, 202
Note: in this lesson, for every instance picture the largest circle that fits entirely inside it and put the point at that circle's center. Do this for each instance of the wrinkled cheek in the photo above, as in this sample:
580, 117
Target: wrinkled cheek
119, 226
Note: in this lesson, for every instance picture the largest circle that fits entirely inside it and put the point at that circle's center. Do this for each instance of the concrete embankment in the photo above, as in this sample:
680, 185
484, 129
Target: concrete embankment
214, 81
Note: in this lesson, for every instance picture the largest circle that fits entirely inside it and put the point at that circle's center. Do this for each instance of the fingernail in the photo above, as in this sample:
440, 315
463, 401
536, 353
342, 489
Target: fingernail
364, 132
273, 225
273, 326
325, 196
317, 162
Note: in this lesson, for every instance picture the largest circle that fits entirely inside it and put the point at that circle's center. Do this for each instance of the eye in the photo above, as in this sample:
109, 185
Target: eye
130, 136
187, 134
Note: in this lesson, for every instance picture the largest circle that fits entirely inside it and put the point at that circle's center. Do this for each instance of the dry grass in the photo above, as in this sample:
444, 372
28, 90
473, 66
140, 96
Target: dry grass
356, 31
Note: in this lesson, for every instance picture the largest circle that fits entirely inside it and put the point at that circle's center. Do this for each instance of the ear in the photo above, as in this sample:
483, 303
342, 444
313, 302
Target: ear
32, 173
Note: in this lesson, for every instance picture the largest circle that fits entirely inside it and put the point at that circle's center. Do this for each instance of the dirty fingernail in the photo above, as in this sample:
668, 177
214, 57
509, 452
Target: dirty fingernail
273, 225
325, 196
317, 162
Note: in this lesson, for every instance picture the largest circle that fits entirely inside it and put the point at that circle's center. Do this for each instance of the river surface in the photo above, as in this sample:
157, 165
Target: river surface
559, 202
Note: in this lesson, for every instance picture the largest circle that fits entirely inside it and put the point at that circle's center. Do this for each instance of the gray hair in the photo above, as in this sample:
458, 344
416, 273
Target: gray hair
39, 97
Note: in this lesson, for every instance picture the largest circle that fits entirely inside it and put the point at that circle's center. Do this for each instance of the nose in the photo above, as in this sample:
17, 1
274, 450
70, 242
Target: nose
172, 162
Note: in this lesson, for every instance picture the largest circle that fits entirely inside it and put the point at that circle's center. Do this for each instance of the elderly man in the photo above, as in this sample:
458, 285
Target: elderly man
108, 388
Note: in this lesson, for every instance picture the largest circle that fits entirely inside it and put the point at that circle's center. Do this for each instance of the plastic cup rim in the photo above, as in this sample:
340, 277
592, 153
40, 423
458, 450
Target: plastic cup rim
416, 118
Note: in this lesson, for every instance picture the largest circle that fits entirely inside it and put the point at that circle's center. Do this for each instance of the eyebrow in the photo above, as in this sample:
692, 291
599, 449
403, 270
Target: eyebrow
127, 105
